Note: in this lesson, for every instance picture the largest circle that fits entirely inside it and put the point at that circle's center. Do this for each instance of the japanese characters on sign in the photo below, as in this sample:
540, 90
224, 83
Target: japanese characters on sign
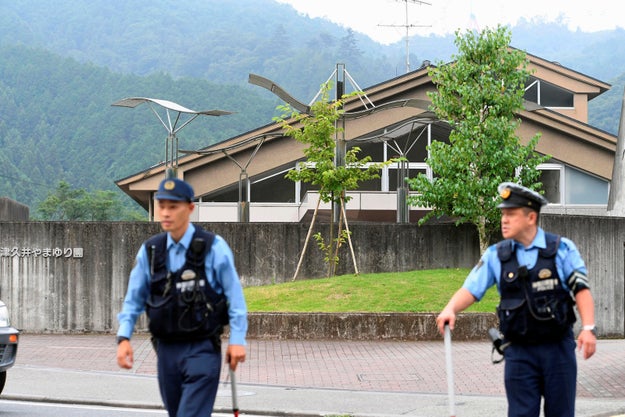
26, 252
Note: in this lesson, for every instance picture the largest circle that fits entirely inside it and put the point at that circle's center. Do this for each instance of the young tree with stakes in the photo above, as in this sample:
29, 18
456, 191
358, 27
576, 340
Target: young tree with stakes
319, 131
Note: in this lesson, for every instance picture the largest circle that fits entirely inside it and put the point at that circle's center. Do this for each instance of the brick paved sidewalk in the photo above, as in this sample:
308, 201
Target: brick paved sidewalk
384, 366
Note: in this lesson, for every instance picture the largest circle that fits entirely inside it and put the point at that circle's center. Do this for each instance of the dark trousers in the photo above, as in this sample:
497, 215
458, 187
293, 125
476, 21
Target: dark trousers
188, 377
547, 370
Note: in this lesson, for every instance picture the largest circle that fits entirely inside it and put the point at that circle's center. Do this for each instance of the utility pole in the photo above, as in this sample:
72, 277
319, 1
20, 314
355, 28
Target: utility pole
407, 26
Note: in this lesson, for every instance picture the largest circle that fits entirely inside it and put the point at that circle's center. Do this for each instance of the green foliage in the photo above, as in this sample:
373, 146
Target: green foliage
58, 123
329, 253
148, 37
479, 95
68, 204
62, 64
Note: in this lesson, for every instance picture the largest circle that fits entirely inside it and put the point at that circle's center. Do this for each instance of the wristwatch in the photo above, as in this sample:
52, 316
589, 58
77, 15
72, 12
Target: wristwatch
121, 339
590, 327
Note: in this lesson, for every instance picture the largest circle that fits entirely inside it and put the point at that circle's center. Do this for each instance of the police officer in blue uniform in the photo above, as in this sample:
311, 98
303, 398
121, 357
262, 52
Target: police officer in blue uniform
540, 277
186, 281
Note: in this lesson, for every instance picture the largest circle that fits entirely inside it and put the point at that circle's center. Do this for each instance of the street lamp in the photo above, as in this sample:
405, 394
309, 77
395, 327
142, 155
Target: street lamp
170, 124
279, 91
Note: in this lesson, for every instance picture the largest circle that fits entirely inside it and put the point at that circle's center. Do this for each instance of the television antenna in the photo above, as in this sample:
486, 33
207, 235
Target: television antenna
407, 26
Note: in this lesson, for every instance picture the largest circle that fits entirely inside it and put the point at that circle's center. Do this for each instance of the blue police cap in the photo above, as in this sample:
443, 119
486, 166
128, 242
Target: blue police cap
175, 189
515, 195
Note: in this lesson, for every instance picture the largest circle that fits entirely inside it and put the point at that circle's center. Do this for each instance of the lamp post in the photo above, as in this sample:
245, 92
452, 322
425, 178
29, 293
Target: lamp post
170, 124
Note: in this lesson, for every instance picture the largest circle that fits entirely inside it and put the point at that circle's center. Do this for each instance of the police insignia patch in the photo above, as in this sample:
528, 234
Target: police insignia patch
544, 273
188, 274
169, 185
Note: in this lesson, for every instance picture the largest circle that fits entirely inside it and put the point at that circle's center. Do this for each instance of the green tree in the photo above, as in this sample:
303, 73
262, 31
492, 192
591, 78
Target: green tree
102, 205
68, 204
64, 203
320, 131
479, 94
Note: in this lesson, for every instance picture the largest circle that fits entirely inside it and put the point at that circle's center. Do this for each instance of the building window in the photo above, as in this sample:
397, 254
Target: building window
547, 94
550, 176
565, 185
414, 169
582, 188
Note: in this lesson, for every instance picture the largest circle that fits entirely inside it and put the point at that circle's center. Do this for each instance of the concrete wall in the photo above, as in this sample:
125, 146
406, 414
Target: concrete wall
71, 277
365, 326
11, 210
601, 242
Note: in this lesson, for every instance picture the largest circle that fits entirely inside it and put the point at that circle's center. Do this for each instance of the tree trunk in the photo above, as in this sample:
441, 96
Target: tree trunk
483, 235
330, 248
349, 236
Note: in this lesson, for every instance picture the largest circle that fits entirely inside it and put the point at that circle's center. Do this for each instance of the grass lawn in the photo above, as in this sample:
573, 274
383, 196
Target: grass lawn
412, 291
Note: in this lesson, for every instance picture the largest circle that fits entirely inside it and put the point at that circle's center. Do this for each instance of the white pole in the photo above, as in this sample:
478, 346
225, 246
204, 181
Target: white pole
233, 385
450, 372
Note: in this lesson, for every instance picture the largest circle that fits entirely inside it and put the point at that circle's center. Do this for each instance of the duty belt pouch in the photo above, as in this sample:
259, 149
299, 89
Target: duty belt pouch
513, 309
513, 320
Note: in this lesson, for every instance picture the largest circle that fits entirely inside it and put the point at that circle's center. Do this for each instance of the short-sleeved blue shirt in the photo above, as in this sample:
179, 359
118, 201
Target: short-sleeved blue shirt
487, 272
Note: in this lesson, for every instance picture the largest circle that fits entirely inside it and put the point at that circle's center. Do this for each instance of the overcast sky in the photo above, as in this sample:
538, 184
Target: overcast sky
385, 20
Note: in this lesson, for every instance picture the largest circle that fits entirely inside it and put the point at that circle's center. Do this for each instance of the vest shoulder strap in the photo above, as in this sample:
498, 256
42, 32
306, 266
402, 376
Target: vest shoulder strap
156, 247
504, 250
552, 243
201, 244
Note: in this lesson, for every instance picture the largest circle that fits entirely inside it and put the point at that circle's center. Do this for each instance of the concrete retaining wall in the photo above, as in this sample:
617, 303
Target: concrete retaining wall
364, 326
72, 277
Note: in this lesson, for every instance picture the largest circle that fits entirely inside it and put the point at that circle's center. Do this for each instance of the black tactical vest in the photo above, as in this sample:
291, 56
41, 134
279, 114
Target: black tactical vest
182, 305
534, 307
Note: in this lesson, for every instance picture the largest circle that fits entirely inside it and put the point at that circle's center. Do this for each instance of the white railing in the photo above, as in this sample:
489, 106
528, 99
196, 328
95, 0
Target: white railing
360, 200
292, 212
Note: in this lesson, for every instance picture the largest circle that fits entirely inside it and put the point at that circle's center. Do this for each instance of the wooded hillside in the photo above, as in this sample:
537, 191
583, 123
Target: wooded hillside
63, 63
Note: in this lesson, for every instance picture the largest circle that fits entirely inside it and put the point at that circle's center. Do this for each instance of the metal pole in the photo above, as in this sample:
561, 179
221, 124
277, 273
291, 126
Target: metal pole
407, 41
450, 371
339, 156
233, 385
403, 211
244, 197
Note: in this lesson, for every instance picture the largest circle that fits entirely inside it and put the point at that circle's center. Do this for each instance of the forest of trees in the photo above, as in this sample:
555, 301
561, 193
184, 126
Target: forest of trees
62, 65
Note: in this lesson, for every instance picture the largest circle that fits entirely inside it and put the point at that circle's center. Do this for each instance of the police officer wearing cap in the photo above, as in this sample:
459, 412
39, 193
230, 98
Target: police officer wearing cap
186, 281
540, 278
